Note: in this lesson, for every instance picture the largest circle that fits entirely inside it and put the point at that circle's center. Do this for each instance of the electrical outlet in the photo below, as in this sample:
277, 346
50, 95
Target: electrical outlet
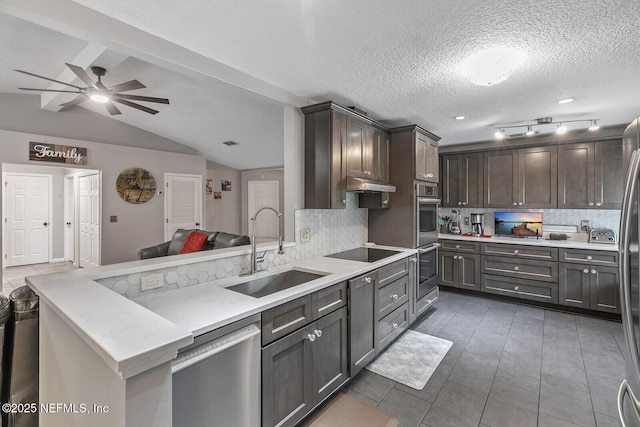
466, 220
584, 224
151, 281
305, 235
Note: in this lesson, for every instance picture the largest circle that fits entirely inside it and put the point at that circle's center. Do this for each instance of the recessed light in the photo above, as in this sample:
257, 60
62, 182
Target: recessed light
566, 100
459, 117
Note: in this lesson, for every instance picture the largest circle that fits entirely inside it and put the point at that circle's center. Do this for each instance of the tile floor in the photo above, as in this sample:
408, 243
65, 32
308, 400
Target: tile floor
510, 366
13, 277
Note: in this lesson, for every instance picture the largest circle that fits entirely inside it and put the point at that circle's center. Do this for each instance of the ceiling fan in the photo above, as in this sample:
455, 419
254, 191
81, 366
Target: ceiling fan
98, 92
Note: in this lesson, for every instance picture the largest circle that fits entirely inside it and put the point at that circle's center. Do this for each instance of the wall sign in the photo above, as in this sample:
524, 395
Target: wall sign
42, 152
136, 185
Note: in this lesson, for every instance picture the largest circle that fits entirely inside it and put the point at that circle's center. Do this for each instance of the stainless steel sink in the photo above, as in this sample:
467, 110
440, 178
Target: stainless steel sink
271, 284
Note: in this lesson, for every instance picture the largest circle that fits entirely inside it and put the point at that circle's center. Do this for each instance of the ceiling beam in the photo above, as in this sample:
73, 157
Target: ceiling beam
86, 24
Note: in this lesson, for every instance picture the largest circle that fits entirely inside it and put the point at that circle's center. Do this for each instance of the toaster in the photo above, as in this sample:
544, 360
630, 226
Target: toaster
602, 235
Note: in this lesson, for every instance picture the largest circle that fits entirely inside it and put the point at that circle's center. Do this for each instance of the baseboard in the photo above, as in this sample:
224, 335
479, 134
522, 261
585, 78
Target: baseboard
57, 260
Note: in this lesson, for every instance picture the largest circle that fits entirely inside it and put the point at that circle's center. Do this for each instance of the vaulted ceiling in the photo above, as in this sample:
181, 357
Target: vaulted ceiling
396, 60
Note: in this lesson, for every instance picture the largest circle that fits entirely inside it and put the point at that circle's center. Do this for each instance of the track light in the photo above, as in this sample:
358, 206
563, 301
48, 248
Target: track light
532, 128
561, 129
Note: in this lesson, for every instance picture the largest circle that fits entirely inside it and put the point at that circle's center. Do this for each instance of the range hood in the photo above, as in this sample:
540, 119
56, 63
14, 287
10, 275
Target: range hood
365, 185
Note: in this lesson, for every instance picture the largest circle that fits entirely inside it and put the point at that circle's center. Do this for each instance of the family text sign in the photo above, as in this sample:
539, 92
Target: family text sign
42, 152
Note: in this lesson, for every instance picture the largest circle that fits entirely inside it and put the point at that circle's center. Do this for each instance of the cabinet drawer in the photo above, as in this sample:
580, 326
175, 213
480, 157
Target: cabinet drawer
283, 319
393, 271
327, 300
520, 288
392, 296
591, 257
520, 251
392, 325
460, 246
546, 271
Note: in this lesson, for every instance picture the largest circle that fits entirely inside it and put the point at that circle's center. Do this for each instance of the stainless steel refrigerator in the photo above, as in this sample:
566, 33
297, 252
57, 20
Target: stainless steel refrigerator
629, 392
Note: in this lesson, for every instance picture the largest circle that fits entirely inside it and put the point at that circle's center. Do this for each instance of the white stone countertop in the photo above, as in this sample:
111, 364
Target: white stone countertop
133, 336
576, 242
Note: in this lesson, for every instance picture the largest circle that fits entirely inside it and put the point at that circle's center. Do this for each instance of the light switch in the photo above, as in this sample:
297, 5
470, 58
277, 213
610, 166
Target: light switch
113, 218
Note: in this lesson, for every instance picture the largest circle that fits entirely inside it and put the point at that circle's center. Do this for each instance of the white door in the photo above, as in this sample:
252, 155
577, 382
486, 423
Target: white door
89, 217
263, 193
27, 217
69, 221
182, 202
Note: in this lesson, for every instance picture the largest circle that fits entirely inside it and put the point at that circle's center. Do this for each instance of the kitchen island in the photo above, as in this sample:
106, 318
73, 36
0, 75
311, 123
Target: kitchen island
113, 354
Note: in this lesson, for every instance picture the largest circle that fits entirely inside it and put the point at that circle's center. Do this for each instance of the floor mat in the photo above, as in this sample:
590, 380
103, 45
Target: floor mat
411, 359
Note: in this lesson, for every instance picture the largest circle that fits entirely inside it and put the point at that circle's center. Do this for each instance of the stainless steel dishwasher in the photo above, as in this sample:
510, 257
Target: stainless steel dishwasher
216, 380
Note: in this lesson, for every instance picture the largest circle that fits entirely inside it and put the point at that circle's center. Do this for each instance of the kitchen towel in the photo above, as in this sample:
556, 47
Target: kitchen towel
411, 359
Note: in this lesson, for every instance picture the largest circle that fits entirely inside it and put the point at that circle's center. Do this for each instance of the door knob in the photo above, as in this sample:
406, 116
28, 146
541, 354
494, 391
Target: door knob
68, 223
519, 203
367, 279
593, 272
585, 271
516, 288
318, 333
311, 337
197, 224
598, 204
45, 223
455, 257
515, 204
394, 296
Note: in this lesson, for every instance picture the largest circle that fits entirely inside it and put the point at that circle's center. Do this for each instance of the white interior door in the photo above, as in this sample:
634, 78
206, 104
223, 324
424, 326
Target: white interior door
183, 202
27, 217
263, 193
89, 218
69, 220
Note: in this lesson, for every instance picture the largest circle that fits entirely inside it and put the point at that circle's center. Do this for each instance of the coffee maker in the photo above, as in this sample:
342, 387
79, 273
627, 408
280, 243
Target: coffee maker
477, 224
454, 226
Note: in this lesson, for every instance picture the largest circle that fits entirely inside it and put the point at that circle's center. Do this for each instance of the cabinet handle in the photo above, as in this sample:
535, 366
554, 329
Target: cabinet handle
429, 175
344, 201
311, 337
590, 203
593, 272
460, 257
516, 268
414, 259
367, 279
455, 257
395, 325
515, 204
459, 203
589, 257
516, 288
394, 296
457, 246
464, 203
585, 271
515, 251
318, 333
519, 203
598, 204
385, 202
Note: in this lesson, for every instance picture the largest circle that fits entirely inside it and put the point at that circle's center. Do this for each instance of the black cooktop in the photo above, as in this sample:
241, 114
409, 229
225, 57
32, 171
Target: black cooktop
364, 254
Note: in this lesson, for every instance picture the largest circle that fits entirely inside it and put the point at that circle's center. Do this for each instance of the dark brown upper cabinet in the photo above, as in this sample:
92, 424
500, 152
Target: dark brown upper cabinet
590, 175
524, 178
416, 150
367, 151
462, 180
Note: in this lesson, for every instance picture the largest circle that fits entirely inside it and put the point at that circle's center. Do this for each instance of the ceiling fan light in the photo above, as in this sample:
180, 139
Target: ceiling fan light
491, 66
99, 97
561, 130
594, 125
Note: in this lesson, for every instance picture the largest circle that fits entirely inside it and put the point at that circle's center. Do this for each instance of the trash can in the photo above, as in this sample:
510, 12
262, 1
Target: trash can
21, 353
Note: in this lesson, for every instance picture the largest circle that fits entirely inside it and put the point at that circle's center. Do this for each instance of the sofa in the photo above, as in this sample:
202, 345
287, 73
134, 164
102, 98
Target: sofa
215, 240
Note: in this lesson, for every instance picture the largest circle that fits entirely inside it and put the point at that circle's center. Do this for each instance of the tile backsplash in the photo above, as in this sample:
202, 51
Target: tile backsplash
598, 218
331, 230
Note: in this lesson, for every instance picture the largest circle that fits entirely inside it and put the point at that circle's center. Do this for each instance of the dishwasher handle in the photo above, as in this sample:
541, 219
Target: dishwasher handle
214, 347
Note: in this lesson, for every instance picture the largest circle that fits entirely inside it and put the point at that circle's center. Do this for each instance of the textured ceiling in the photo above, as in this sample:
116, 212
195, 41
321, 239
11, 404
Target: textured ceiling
395, 59
398, 59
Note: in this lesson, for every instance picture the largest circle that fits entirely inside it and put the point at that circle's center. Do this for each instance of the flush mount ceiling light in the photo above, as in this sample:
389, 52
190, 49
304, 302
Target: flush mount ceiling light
491, 66
566, 100
529, 129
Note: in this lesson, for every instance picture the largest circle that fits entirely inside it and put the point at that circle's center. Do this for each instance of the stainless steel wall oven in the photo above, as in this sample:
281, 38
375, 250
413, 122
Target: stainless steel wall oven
426, 231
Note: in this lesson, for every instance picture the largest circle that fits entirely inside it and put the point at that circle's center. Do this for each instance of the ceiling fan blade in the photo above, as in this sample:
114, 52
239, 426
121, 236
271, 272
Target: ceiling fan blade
50, 90
113, 110
130, 85
75, 101
82, 75
137, 106
144, 98
47, 78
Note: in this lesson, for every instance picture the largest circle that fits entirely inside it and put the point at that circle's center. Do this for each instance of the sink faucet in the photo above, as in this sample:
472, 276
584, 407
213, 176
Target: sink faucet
254, 258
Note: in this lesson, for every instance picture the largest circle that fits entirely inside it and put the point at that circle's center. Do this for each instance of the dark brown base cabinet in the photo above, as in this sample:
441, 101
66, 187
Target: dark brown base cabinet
299, 371
362, 320
459, 270
589, 286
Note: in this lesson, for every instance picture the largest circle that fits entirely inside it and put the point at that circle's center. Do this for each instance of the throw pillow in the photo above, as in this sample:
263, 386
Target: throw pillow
194, 243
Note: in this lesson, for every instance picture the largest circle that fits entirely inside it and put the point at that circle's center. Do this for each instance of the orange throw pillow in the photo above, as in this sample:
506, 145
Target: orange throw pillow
195, 242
